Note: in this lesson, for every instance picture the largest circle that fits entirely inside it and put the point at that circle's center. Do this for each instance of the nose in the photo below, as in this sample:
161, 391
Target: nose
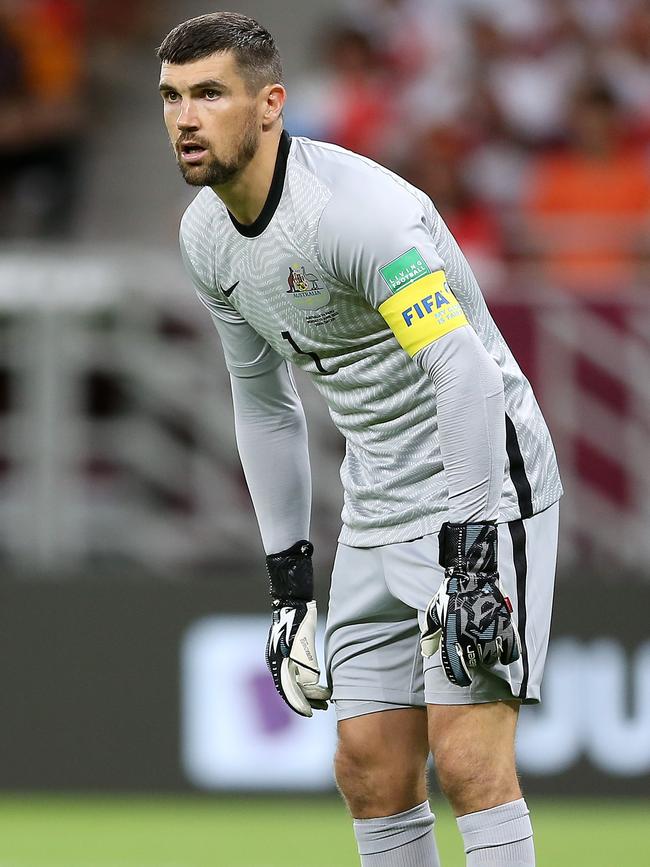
187, 117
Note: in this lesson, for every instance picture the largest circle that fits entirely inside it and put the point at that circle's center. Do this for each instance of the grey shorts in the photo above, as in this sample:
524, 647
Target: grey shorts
377, 602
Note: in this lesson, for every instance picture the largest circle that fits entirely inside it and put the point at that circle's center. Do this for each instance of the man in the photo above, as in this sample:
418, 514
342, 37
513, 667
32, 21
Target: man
309, 254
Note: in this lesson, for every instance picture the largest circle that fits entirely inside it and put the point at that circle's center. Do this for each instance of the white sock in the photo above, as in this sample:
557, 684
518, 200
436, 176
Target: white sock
403, 840
500, 836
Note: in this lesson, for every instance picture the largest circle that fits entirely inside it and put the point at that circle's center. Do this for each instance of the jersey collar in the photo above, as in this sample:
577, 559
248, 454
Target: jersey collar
252, 230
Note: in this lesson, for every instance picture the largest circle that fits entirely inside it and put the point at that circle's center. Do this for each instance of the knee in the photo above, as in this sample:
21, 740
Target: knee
373, 785
472, 779
354, 773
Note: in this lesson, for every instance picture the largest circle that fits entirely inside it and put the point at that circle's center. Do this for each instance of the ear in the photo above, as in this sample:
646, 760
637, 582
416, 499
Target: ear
275, 96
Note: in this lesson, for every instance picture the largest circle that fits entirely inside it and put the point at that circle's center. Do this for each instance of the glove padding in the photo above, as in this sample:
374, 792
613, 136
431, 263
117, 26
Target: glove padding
469, 617
291, 649
291, 658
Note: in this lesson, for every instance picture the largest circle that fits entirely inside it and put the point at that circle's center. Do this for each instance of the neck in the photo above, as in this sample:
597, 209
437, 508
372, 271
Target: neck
246, 194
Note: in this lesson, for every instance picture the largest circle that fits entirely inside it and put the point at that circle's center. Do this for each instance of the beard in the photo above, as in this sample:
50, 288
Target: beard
213, 172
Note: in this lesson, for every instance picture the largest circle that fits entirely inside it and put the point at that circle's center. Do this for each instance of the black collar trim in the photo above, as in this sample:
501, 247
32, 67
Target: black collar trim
252, 230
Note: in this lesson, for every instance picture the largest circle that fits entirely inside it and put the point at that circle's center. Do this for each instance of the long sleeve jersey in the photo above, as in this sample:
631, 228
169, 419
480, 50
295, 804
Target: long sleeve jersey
350, 273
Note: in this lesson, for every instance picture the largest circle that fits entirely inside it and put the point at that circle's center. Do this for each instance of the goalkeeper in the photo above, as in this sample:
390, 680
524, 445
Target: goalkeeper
441, 594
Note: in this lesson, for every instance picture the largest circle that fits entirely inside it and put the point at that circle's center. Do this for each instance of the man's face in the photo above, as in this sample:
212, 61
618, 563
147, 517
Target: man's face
213, 121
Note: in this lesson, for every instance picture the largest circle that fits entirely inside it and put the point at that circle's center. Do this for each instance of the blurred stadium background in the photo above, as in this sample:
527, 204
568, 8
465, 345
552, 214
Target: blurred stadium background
131, 564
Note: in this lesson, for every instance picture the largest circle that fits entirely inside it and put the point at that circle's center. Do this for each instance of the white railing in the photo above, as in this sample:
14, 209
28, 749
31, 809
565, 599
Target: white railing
153, 479
116, 435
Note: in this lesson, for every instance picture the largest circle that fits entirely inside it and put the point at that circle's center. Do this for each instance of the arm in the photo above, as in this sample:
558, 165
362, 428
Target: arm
391, 259
270, 426
271, 435
471, 413
389, 255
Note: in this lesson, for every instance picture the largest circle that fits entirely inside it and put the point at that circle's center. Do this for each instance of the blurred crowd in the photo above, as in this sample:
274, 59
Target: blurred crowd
41, 73
48, 57
527, 123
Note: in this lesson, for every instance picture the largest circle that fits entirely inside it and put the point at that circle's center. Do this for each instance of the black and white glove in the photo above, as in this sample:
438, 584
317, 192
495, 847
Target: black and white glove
291, 649
469, 617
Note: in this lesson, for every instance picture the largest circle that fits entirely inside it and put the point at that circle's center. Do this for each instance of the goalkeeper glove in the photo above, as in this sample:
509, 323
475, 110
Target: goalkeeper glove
290, 649
469, 617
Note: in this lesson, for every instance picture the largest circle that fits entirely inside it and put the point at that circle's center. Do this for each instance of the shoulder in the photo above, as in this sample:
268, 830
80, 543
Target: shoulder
352, 178
366, 200
199, 229
201, 216
368, 207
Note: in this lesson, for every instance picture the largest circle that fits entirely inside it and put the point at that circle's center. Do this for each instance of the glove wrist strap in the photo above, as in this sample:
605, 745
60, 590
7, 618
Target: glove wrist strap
469, 548
291, 574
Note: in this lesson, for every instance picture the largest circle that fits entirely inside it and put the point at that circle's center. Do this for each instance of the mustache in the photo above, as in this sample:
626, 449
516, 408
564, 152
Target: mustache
183, 139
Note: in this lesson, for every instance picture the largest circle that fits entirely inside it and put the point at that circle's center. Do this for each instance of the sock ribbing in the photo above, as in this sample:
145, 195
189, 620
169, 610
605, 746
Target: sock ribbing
501, 835
507, 823
402, 840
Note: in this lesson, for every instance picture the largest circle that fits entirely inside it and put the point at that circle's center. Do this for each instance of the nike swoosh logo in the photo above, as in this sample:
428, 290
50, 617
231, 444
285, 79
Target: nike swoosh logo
228, 292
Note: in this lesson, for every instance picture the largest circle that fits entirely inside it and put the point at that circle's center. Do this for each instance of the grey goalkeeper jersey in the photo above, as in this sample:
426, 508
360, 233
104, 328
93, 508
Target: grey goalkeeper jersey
348, 272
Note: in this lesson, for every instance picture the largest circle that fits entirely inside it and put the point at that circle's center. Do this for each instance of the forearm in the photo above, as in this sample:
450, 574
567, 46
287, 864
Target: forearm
471, 423
272, 439
271, 436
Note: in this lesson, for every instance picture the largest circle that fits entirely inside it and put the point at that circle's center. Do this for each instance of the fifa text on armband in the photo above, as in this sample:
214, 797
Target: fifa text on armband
428, 303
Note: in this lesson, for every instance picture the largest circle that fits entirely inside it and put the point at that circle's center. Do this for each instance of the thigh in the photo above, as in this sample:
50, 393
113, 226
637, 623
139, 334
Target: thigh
381, 760
473, 748
397, 738
372, 651
488, 728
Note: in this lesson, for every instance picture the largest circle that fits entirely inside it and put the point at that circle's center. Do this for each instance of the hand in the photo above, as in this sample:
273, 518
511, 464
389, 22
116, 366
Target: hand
290, 649
291, 657
469, 617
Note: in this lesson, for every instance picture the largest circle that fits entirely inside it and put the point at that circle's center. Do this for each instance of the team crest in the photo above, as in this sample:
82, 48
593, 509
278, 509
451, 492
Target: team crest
304, 289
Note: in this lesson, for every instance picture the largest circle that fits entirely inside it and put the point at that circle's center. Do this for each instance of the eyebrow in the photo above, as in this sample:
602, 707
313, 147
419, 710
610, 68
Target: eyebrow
200, 85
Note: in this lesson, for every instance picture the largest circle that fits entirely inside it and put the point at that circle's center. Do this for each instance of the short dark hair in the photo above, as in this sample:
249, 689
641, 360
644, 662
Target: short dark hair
252, 45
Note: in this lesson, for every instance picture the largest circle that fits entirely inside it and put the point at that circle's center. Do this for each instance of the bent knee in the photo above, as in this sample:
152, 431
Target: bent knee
377, 785
380, 761
473, 748
475, 779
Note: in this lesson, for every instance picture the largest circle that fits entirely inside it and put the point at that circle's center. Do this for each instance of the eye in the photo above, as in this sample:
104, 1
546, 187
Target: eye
211, 94
170, 96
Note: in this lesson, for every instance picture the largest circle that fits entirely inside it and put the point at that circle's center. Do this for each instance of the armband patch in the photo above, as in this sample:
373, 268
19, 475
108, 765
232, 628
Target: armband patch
404, 270
423, 312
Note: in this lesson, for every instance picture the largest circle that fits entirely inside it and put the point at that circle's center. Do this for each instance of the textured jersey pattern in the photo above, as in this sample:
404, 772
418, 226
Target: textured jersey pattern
296, 288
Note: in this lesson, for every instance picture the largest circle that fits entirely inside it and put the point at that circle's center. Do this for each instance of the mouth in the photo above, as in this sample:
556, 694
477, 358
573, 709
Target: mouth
192, 152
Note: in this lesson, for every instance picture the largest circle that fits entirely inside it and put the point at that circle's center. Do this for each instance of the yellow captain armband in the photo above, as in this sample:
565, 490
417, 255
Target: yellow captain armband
423, 312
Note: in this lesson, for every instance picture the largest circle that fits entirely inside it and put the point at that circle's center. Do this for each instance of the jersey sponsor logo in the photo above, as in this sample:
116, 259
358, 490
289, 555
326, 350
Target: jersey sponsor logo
424, 312
404, 270
304, 289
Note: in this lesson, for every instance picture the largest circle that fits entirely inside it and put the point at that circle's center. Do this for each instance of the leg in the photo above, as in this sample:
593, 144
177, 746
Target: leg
473, 747
380, 769
374, 664
474, 751
380, 762
472, 730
